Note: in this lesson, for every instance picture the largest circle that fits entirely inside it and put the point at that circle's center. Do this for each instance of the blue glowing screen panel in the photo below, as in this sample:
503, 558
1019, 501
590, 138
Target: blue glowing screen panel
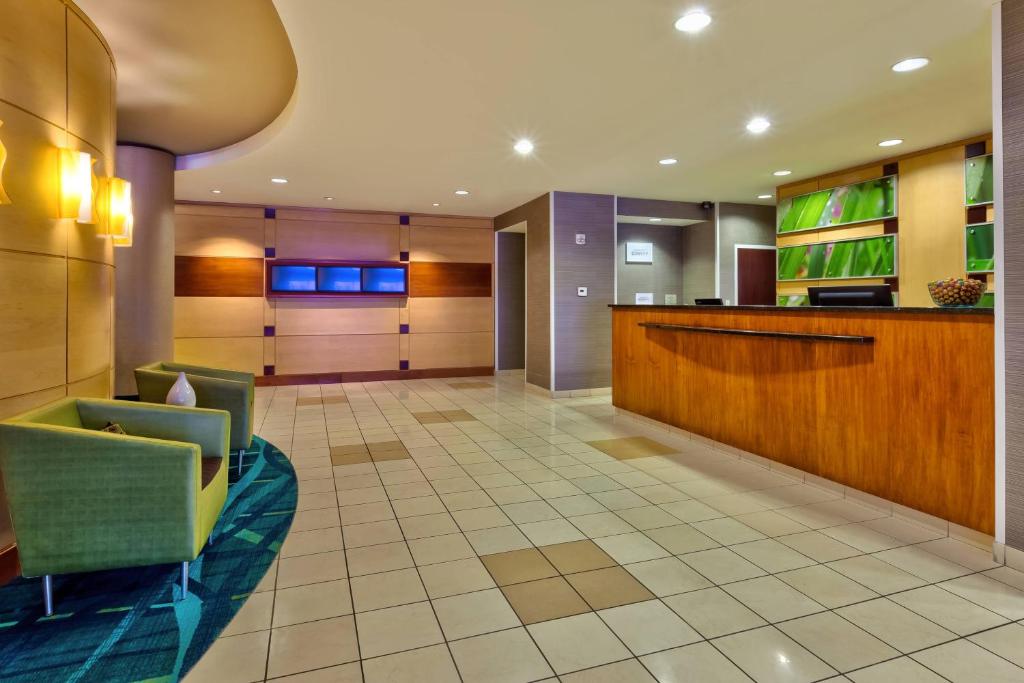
293, 279
338, 279
383, 280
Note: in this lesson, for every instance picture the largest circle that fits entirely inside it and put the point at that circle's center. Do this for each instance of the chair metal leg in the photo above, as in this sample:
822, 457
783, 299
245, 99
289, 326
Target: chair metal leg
184, 580
48, 594
241, 457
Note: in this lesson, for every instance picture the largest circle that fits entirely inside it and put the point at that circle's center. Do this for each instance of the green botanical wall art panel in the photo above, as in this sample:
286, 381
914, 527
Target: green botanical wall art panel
866, 257
794, 300
978, 180
980, 248
868, 201
988, 300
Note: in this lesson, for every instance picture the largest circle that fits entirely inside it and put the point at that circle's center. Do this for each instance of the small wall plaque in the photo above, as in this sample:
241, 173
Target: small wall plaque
645, 298
639, 252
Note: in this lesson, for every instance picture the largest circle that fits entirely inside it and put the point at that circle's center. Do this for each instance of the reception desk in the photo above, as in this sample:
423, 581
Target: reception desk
895, 402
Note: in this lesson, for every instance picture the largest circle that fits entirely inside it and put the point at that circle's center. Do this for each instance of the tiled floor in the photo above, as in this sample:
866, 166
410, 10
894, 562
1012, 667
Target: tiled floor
470, 530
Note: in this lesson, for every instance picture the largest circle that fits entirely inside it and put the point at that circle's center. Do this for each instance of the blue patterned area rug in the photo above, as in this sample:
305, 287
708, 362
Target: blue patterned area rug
126, 625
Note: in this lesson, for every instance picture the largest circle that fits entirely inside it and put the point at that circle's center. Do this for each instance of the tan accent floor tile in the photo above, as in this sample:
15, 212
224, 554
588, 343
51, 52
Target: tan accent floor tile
395, 629
518, 566
377, 447
577, 642
610, 587
387, 589
504, 657
472, 614
543, 600
309, 402
312, 645
576, 556
341, 459
390, 456
457, 416
631, 447
698, 662
837, 642
306, 569
312, 602
432, 664
233, 659
430, 418
471, 385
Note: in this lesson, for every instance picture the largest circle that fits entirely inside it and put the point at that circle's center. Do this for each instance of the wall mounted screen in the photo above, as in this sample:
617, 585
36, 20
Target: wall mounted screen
873, 200
843, 259
338, 279
293, 279
978, 180
384, 280
980, 248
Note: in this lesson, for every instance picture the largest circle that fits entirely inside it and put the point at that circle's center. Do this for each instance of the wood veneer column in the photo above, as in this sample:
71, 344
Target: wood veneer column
144, 298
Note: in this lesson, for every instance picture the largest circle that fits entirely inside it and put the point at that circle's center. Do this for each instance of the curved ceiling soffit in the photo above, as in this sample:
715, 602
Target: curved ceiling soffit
196, 76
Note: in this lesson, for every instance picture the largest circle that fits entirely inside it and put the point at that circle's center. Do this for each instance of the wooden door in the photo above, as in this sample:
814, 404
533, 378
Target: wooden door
755, 276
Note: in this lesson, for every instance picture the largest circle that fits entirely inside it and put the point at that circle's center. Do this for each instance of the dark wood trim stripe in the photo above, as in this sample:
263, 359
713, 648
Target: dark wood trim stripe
791, 336
372, 376
218, 276
434, 279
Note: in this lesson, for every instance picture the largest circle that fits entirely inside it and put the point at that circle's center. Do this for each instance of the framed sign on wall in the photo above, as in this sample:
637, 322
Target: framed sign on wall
639, 252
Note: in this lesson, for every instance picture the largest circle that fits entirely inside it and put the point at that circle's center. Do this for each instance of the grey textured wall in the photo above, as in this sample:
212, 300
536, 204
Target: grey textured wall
698, 262
510, 301
740, 224
664, 276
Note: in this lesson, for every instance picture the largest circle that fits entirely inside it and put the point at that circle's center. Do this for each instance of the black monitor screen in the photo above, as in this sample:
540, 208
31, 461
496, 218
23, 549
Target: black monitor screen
852, 295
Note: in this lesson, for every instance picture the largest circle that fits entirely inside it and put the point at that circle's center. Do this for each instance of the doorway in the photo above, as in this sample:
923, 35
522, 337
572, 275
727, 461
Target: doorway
510, 298
755, 275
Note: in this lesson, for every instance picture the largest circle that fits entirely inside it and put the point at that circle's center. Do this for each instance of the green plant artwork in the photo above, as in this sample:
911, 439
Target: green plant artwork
866, 257
868, 201
978, 180
988, 300
980, 248
794, 300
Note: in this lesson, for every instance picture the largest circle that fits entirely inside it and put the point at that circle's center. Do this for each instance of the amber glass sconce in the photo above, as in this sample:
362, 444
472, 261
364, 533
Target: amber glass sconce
115, 201
4, 199
76, 185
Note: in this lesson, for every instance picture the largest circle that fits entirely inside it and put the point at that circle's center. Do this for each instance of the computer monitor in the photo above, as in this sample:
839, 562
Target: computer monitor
851, 295
708, 302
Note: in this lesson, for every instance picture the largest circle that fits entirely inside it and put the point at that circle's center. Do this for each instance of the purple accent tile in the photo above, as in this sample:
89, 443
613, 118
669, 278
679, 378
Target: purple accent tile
269, 252
403, 365
269, 213
403, 329
268, 331
403, 220
403, 256
268, 370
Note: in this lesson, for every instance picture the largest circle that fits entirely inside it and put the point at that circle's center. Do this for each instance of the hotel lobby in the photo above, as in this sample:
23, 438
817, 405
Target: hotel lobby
511, 342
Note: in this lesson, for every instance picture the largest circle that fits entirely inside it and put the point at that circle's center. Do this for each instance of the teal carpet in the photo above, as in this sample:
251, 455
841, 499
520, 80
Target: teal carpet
125, 625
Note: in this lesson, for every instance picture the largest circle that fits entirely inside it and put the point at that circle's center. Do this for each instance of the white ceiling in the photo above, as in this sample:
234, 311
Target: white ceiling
401, 102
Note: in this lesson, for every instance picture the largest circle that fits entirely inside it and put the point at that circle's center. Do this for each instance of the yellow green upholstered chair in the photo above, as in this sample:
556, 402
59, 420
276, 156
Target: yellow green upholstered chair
83, 500
218, 389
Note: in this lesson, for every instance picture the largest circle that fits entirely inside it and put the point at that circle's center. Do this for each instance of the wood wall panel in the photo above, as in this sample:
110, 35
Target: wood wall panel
451, 350
90, 318
335, 240
205, 235
244, 354
336, 353
442, 314
14, 405
33, 315
452, 222
876, 417
90, 86
363, 316
209, 276
97, 386
214, 316
332, 216
450, 279
33, 71
451, 245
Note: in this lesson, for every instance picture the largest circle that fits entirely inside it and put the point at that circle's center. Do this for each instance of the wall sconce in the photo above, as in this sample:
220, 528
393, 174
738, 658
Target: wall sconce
4, 199
76, 185
116, 219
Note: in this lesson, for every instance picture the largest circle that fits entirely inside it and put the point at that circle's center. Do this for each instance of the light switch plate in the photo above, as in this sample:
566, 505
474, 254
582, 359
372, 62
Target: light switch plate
581, 291
581, 238
670, 299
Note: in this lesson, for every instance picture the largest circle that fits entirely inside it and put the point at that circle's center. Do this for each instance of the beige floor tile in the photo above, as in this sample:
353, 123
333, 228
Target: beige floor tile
255, 615
396, 629
1005, 641
647, 627
1011, 577
306, 569
721, 565
365, 512
877, 575
680, 539
458, 576
312, 602
577, 642
826, 586
530, 511
471, 614
315, 501
308, 520
903, 670
896, 625
480, 518
440, 549
862, 538
667, 576
370, 494
727, 531
964, 662
601, 524
466, 500
622, 499
346, 673
610, 587
922, 564
504, 657
544, 599
554, 489
372, 533
948, 610
772, 599
234, 659
432, 664
312, 645
355, 482
632, 547
428, 525
572, 506
772, 556
387, 589
818, 546
987, 592
512, 494
310, 542
550, 532
767, 654
713, 612
629, 670
497, 540
961, 553
649, 517
691, 511
379, 558
416, 489
698, 662
837, 642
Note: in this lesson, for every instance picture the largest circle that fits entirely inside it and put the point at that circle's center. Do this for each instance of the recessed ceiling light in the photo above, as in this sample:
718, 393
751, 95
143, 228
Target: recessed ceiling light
216, 191
279, 181
654, 220
668, 162
782, 173
912, 64
765, 196
330, 199
462, 193
523, 147
437, 204
693, 22
890, 143
758, 124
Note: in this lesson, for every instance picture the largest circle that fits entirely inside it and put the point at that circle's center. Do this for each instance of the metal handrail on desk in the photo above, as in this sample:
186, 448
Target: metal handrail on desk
791, 336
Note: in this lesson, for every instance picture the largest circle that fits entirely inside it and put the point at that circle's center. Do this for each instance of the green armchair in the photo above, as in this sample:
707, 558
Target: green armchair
85, 500
219, 389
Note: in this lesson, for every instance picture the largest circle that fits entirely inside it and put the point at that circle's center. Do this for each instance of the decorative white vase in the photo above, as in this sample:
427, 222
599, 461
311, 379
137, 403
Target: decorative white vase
182, 393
